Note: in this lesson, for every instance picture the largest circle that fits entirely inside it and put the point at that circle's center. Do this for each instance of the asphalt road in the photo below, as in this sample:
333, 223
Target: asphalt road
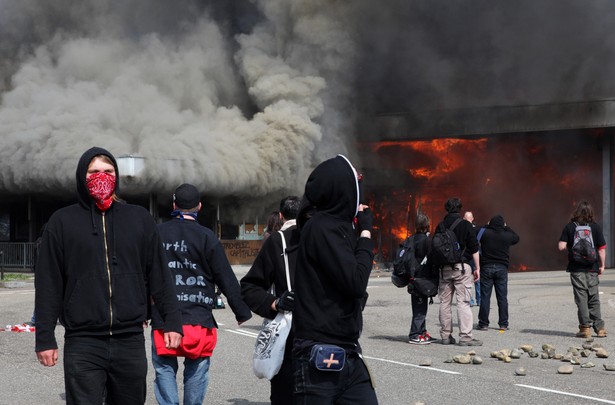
541, 311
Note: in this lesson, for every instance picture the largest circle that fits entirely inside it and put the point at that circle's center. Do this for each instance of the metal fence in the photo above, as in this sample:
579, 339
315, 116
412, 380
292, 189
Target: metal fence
17, 256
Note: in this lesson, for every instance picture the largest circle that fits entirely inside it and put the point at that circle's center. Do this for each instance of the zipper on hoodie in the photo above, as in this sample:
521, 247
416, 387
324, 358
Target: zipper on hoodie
108, 274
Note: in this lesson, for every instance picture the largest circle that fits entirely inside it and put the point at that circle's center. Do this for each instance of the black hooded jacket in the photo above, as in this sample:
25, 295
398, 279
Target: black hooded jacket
333, 265
496, 242
96, 271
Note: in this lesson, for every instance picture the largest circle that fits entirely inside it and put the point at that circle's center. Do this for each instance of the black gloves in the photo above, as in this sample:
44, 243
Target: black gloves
365, 220
286, 302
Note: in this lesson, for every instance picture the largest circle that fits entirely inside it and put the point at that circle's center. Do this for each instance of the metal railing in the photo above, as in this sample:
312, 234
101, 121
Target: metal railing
17, 256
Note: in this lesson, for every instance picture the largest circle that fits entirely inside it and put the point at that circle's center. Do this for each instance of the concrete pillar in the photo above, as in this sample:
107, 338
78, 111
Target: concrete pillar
607, 194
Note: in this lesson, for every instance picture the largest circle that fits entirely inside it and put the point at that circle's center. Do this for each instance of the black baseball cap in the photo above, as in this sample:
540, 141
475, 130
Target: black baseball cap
186, 196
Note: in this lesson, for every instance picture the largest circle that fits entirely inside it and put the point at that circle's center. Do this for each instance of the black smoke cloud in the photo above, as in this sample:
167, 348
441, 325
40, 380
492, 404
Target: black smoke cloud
243, 98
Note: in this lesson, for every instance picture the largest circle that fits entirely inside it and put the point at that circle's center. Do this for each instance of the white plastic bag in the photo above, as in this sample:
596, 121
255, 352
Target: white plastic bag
270, 343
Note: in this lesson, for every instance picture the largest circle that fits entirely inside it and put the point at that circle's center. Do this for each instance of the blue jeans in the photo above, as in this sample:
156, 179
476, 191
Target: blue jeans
350, 386
196, 378
493, 275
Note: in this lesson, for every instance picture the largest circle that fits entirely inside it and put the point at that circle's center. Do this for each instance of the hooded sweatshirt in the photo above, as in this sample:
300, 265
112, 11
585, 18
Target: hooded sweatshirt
96, 270
333, 265
496, 242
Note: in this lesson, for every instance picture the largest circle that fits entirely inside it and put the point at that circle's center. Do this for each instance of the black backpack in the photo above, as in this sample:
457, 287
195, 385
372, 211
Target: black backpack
405, 264
583, 249
445, 248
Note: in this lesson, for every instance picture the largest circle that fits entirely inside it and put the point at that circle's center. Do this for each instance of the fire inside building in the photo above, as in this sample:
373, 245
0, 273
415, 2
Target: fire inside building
530, 164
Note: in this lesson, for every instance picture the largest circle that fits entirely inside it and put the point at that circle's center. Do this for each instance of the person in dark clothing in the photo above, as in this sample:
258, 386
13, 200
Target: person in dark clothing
585, 278
196, 259
496, 240
456, 280
269, 269
100, 261
418, 328
333, 268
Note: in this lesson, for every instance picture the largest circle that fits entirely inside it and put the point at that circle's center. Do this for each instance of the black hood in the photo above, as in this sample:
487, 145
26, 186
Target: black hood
332, 188
82, 167
497, 223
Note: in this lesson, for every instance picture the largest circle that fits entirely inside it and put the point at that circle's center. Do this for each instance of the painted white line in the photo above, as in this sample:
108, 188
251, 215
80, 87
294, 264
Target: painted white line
242, 332
16, 292
606, 401
412, 365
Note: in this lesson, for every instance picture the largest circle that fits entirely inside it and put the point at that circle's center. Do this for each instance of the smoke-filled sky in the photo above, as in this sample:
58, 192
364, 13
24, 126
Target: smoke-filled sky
243, 98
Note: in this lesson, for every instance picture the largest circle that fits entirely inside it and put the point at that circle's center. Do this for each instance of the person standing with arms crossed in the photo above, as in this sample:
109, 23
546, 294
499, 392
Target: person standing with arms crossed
196, 258
99, 262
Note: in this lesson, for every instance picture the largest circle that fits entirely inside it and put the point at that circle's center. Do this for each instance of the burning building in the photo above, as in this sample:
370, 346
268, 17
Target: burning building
244, 98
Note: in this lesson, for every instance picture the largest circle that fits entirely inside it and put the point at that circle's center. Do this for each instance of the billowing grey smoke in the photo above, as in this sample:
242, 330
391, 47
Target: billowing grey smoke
234, 113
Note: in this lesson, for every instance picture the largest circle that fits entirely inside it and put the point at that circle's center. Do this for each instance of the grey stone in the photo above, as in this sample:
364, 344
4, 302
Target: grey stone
601, 353
609, 367
425, 362
449, 359
527, 348
586, 353
516, 354
587, 346
589, 364
566, 369
462, 359
533, 354
547, 346
521, 371
544, 355
477, 360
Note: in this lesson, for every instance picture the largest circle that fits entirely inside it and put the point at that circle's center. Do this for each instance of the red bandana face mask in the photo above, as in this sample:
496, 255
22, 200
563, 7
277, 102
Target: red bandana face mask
101, 186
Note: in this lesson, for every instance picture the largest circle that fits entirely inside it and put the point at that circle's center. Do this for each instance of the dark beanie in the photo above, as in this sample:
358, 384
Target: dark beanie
186, 197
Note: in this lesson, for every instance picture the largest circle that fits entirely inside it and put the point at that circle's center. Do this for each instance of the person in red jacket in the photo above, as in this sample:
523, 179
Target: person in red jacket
100, 260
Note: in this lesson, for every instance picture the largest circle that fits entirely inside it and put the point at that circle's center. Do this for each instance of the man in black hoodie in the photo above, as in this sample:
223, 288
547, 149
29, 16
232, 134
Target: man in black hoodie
495, 244
100, 261
333, 268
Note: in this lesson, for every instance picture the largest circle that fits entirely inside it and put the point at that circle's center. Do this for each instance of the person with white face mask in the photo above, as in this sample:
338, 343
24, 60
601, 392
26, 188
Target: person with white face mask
100, 260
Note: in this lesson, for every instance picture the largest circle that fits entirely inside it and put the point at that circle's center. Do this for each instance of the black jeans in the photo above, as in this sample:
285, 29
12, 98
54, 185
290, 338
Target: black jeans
493, 275
116, 364
282, 382
419, 313
350, 386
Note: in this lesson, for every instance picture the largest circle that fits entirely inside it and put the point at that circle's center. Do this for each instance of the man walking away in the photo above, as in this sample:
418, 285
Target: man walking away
268, 269
494, 261
196, 258
586, 246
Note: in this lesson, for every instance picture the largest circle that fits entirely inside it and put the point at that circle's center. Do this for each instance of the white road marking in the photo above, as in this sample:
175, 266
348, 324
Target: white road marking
606, 401
412, 365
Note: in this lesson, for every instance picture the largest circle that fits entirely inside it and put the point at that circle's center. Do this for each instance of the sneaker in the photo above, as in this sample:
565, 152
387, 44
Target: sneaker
427, 337
482, 327
601, 333
503, 327
418, 340
473, 342
450, 341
